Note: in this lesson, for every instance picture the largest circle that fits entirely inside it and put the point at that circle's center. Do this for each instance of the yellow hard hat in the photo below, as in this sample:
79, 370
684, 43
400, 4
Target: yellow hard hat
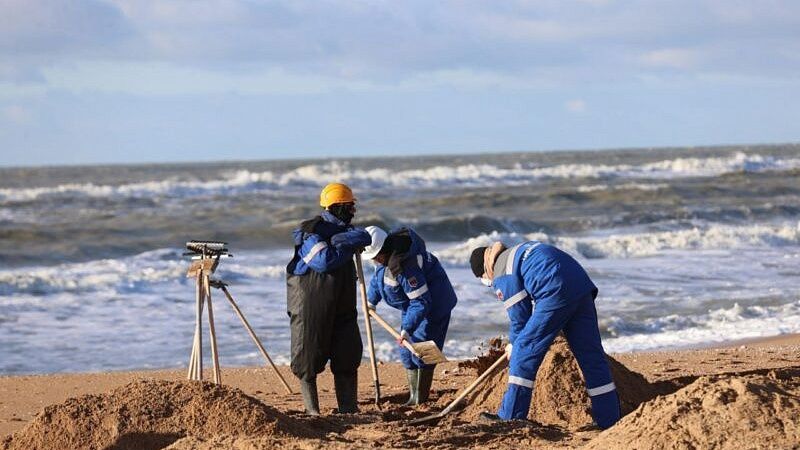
335, 193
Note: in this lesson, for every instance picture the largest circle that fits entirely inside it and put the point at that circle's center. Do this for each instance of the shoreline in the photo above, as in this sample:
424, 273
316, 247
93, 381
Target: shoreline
777, 340
22, 397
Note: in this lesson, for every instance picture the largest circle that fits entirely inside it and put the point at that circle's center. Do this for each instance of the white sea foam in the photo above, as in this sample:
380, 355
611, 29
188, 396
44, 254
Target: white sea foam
135, 273
636, 243
719, 325
621, 187
91, 275
468, 175
670, 331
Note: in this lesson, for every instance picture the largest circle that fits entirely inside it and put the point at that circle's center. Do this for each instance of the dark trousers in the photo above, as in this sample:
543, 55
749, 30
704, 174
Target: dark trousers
324, 322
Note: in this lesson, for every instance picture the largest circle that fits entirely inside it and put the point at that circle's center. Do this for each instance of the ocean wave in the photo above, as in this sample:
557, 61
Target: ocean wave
639, 244
137, 273
621, 187
719, 325
310, 177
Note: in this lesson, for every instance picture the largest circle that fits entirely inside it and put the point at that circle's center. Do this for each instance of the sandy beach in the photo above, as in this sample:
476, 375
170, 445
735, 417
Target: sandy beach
687, 388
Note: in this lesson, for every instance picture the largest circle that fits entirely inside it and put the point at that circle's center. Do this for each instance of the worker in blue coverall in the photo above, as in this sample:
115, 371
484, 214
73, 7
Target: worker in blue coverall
412, 280
321, 299
545, 291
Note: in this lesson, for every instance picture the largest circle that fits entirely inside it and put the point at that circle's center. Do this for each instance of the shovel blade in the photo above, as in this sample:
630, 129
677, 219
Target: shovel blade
429, 353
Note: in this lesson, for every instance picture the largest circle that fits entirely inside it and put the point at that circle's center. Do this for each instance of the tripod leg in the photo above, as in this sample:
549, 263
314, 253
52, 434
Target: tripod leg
198, 330
212, 333
255, 338
192, 373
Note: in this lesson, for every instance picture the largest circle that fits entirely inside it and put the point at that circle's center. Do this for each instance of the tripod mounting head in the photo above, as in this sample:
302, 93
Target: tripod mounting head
207, 248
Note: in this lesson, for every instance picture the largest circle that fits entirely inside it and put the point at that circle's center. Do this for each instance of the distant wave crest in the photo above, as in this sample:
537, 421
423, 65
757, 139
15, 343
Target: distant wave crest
470, 175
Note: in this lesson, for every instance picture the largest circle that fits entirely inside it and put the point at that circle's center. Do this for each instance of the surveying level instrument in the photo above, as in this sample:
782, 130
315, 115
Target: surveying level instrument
205, 257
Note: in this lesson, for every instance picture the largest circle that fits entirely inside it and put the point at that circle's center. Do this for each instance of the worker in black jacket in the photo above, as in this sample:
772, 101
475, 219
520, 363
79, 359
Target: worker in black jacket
321, 299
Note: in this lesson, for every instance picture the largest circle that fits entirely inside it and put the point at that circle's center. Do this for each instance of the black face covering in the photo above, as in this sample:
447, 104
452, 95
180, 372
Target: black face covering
343, 211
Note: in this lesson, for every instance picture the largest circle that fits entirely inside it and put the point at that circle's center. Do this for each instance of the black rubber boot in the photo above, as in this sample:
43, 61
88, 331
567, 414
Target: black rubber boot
310, 398
425, 382
346, 392
413, 386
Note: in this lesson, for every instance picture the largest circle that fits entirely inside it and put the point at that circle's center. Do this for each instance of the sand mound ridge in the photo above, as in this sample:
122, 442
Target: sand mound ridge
151, 414
559, 396
737, 412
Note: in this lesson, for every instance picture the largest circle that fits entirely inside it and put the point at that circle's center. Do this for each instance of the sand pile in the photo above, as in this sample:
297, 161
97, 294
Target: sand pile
151, 414
739, 412
559, 396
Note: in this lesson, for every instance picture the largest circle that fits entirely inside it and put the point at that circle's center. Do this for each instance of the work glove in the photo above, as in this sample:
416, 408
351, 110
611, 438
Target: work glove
509, 347
354, 239
403, 337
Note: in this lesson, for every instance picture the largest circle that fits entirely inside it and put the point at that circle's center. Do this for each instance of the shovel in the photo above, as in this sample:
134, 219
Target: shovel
427, 351
464, 393
373, 362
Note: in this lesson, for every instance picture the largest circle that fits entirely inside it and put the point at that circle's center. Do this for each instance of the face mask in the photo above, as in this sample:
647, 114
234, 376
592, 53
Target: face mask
343, 211
486, 282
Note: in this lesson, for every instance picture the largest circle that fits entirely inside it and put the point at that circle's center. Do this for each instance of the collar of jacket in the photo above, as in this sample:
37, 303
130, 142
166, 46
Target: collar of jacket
500, 264
328, 217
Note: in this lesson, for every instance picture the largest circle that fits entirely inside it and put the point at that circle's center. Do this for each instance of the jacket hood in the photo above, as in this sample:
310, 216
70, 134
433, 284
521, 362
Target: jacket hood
417, 243
416, 246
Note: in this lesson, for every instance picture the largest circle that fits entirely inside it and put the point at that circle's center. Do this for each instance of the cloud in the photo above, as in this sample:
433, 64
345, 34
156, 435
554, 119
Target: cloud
677, 58
37, 33
397, 44
575, 106
17, 114
51, 27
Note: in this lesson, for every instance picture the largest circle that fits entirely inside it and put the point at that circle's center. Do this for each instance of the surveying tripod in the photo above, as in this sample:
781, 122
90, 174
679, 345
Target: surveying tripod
206, 257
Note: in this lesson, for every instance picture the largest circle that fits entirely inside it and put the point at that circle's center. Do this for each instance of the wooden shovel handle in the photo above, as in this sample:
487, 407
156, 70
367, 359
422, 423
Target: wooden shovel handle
392, 331
475, 384
371, 343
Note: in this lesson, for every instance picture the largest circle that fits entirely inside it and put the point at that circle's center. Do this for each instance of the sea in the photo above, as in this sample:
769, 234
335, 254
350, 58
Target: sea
688, 246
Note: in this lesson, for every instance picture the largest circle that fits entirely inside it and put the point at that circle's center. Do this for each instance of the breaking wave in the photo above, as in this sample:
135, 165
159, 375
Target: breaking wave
638, 244
718, 325
309, 177
138, 273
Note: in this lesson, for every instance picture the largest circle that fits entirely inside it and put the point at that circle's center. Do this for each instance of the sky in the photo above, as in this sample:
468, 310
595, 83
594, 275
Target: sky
116, 81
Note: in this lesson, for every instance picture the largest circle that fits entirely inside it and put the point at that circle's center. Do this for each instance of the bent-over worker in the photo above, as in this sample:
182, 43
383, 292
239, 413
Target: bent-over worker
545, 291
407, 277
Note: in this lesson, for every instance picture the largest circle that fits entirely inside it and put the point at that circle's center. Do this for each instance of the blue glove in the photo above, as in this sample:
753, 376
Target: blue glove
355, 238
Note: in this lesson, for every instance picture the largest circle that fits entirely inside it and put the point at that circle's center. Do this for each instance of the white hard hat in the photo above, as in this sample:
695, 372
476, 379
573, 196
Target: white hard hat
378, 238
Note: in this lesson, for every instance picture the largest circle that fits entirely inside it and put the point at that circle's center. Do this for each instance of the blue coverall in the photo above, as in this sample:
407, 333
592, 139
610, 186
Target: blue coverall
422, 292
545, 291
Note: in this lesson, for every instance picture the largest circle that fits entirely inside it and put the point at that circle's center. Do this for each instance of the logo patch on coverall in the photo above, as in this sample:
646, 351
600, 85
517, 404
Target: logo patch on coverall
500, 295
412, 282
